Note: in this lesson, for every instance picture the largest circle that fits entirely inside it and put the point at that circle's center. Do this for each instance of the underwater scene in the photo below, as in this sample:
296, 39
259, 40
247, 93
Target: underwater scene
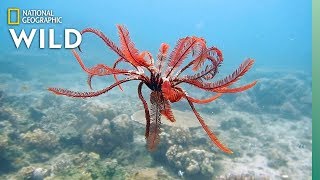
194, 90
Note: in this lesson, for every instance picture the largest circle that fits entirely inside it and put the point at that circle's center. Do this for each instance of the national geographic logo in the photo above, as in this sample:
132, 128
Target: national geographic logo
72, 37
32, 16
13, 16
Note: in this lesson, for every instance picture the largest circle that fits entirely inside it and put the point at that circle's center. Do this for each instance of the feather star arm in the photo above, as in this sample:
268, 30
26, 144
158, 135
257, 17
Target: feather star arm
235, 76
146, 109
221, 84
166, 110
154, 134
106, 40
128, 49
204, 101
180, 53
98, 70
162, 56
65, 92
237, 89
115, 76
211, 135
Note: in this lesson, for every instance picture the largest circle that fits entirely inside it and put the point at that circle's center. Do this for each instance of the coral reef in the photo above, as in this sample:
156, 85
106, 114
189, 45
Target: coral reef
73, 166
291, 99
40, 139
150, 174
183, 152
244, 176
193, 162
108, 135
32, 173
45, 137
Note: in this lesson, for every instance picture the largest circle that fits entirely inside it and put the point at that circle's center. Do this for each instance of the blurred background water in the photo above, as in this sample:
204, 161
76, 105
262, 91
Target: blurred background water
277, 34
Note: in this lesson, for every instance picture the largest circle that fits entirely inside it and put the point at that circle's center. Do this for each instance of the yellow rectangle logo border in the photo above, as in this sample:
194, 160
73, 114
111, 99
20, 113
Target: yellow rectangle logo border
9, 16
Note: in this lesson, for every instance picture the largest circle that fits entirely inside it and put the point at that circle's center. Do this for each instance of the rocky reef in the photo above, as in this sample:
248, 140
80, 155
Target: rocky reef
39, 139
105, 137
192, 162
43, 136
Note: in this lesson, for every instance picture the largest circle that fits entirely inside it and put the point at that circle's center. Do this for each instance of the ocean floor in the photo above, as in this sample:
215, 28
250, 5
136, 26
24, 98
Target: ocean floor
43, 136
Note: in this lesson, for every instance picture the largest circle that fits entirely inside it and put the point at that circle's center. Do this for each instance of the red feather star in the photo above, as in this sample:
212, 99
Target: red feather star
164, 82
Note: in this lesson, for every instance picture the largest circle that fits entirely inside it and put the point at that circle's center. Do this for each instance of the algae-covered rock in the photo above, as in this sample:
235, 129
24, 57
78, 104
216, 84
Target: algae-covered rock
3, 142
101, 111
244, 176
150, 174
193, 161
121, 128
110, 166
98, 138
25, 172
112, 169
108, 135
40, 173
177, 136
85, 166
32, 173
62, 163
40, 139
70, 136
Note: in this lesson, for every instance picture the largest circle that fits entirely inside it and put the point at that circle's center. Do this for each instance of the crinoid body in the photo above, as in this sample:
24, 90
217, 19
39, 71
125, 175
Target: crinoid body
164, 78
